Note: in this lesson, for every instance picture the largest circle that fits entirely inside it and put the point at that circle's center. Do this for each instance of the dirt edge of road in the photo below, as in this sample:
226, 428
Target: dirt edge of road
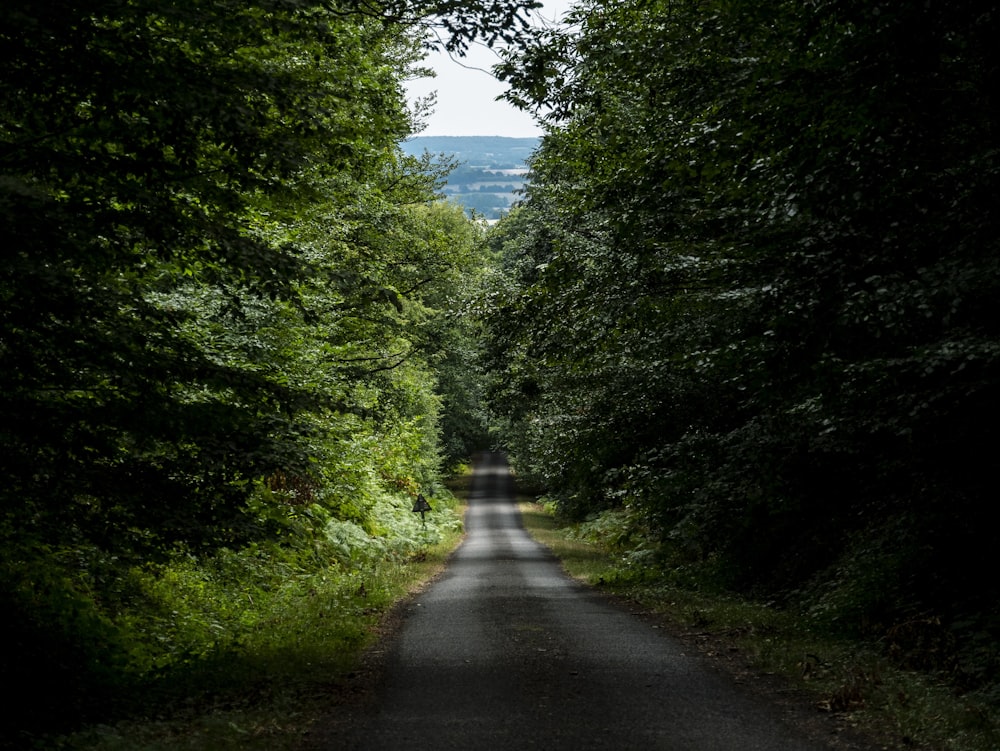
355, 696
797, 706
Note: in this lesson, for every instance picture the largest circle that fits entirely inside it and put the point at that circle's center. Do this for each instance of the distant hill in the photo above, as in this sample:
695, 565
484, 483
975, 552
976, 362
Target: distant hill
494, 151
491, 170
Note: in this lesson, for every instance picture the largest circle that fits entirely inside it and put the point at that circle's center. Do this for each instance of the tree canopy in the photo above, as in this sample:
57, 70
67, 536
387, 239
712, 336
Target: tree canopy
225, 292
748, 294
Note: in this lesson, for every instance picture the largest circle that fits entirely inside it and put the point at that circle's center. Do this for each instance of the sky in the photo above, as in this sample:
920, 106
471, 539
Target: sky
467, 92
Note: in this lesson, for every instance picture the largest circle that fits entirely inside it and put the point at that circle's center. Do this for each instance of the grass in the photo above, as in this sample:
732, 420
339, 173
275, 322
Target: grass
271, 692
582, 560
853, 683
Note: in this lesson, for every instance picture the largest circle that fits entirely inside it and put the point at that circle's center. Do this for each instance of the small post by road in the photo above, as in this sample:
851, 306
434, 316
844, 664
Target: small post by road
421, 506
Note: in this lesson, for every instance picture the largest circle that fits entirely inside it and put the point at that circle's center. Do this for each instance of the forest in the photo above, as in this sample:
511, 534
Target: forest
231, 348
745, 307
742, 307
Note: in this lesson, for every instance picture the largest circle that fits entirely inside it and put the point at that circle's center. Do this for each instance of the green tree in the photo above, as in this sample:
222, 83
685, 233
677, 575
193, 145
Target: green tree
217, 295
748, 293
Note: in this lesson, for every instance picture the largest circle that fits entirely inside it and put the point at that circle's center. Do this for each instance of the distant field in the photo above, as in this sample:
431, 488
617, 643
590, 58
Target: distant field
486, 162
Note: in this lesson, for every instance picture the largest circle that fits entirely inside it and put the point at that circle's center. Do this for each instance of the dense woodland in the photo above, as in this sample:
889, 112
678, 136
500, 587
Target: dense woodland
230, 348
745, 304
747, 301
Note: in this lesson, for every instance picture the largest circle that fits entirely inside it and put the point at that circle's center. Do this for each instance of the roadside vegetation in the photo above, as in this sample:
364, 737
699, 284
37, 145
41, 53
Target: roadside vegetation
280, 653
232, 347
859, 682
742, 328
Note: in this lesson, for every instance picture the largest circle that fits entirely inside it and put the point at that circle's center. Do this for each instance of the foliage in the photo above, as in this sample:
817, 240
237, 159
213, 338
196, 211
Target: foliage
224, 298
747, 298
857, 686
286, 628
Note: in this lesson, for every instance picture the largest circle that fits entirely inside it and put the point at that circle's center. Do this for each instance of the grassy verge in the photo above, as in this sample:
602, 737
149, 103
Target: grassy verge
853, 683
268, 694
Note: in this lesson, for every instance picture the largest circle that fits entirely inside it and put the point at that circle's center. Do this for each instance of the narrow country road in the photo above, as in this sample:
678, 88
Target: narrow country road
504, 651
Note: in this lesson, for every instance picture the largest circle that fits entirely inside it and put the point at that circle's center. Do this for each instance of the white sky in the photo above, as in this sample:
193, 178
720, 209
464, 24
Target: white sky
467, 92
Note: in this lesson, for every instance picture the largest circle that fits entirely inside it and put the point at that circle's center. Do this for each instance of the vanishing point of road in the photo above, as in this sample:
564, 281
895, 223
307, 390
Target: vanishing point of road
504, 651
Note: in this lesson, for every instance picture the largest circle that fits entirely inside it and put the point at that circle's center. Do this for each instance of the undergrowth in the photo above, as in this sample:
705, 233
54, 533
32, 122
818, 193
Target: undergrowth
241, 649
862, 681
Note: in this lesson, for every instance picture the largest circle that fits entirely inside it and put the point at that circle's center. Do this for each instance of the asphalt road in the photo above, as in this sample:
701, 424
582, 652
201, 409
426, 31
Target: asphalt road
504, 651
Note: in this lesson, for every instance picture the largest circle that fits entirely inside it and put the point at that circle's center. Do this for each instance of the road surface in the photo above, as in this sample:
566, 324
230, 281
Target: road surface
504, 651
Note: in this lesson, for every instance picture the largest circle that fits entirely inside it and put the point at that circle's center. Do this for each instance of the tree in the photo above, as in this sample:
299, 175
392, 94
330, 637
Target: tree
138, 137
750, 285
210, 286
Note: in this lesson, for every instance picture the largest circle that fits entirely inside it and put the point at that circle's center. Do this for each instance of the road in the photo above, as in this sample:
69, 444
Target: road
505, 651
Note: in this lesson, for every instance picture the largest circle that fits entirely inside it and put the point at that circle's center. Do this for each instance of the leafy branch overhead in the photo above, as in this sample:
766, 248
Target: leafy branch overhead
464, 22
